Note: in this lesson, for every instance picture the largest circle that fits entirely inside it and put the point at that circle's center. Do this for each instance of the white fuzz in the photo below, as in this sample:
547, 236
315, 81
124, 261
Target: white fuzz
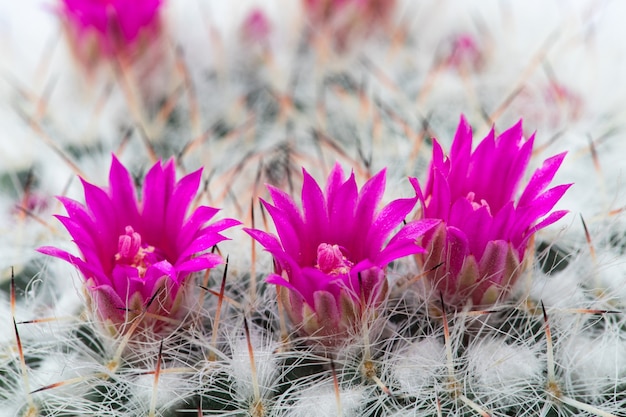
503, 373
254, 378
322, 401
596, 364
419, 366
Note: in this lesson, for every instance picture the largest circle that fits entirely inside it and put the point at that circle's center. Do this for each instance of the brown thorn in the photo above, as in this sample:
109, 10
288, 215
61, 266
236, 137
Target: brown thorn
155, 385
100, 375
336, 387
12, 292
438, 405
592, 250
549, 348
253, 370
591, 311
20, 352
446, 337
420, 276
180, 370
226, 298
218, 312
47, 320
479, 312
594, 155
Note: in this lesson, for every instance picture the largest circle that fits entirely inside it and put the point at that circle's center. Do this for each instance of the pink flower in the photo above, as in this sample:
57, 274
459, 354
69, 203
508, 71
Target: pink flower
475, 255
345, 19
464, 53
110, 27
138, 254
331, 255
256, 28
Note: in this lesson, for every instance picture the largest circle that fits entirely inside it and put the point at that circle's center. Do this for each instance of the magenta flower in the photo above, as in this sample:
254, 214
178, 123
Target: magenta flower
346, 19
475, 255
110, 26
137, 255
464, 53
256, 28
331, 256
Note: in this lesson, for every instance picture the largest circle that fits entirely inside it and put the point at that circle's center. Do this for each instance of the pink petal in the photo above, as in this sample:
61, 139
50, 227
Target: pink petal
89, 271
178, 204
341, 212
404, 243
326, 307
108, 303
192, 226
541, 179
99, 204
315, 217
122, 193
200, 263
440, 200
389, 218
335, 180
370, 196
288, 232
457, 249
460, 152
157, 189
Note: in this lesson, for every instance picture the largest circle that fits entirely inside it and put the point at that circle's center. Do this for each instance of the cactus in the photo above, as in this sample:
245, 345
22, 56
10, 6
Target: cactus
254, 93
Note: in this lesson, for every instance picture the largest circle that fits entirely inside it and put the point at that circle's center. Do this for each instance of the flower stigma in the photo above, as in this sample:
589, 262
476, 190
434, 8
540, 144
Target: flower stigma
132, 252
331, 261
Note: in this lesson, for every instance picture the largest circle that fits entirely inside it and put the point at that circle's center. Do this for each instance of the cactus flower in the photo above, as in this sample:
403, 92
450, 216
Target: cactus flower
136, 255
330, 257
475, 254
346, 19
110, 27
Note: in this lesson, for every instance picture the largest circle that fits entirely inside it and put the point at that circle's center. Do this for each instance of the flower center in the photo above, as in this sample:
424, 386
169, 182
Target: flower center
331, 261
132, 252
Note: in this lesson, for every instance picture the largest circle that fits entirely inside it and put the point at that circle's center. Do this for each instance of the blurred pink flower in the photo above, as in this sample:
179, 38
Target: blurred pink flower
138, 254
331, 256
464, 53
110, 27
475, 255
346, 19
256, 28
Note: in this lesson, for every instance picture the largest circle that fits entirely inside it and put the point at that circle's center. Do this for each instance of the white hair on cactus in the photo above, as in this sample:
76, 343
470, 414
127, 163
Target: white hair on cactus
322, 400
419, 366
503, 373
